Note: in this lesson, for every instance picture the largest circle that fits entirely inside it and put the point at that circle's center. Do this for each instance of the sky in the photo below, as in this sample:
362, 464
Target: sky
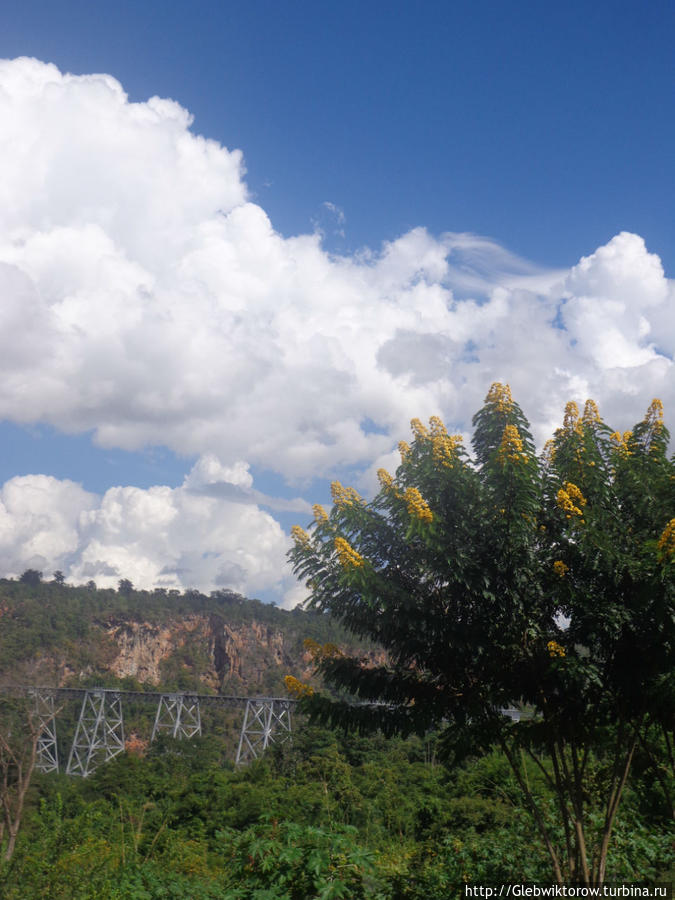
241, 245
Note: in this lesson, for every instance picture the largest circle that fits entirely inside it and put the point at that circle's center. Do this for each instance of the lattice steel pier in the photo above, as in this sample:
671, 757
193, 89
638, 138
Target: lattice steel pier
267, 720
47, 746
99, 735
177, 715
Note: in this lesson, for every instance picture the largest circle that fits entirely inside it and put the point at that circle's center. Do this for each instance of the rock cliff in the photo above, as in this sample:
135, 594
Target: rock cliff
222, 655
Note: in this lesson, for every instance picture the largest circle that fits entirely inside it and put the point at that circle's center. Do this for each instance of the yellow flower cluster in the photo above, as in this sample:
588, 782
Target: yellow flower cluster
349, 558
300, 536
444, 449
621, 442
418, 429
568, 496
554, 649
296, 687
320, 514
417, 506
388, 484
591, 414
571, 419
314, 647
654, 416
500, 395
511, 447
319, 651
385, 479
560, 568
344, 496
666, 544
443, 445
404, 450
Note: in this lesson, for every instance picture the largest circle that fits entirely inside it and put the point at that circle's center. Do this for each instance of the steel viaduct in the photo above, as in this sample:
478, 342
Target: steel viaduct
99, 733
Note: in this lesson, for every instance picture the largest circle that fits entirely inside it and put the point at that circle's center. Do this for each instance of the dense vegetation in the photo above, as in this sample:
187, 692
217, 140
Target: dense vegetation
330, 815
326, 817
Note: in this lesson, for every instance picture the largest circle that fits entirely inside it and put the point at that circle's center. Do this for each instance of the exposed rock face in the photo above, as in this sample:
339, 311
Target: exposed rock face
143, 646
242, 657
221, 654
237, 649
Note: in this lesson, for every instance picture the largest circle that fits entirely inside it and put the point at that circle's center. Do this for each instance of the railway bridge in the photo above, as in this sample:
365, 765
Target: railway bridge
99, 734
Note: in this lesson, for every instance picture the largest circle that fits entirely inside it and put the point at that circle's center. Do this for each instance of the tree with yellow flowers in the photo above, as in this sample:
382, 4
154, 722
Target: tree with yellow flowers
506, 579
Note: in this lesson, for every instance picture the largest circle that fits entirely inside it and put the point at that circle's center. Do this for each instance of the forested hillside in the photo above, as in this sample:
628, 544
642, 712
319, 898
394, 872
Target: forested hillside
55, 634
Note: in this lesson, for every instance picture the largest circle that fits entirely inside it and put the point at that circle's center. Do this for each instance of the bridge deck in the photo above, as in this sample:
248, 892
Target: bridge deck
63, 693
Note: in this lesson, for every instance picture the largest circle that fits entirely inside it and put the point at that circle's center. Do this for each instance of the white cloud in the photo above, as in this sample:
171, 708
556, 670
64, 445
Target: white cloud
159, 537
39, 521
164, 308
208, 470
146, 298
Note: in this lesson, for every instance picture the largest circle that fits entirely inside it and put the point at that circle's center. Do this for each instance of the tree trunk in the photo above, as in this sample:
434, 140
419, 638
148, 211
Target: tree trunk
9, 850
611, 814
22, 760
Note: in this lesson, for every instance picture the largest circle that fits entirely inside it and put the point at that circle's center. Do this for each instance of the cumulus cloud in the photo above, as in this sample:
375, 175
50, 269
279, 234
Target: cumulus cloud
147, 299
158, 537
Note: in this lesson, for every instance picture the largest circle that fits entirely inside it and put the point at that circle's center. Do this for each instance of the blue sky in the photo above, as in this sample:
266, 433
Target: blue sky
428, 171
544, 126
